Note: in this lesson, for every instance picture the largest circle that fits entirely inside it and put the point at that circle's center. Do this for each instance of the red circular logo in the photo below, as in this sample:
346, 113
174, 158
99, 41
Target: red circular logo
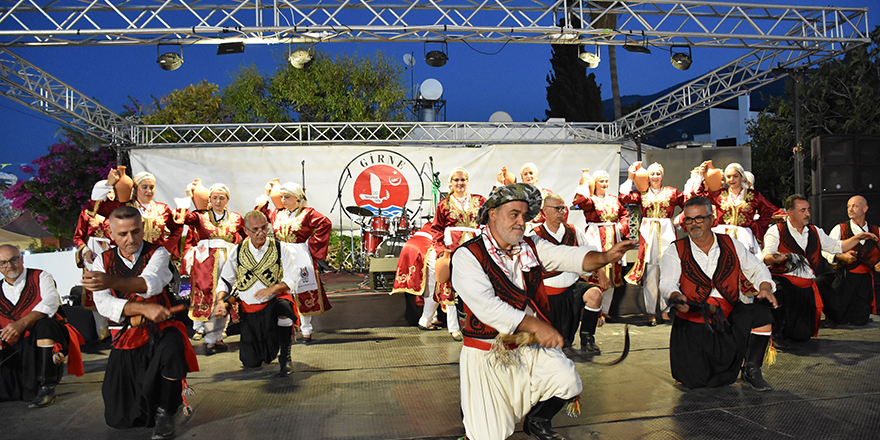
381, 187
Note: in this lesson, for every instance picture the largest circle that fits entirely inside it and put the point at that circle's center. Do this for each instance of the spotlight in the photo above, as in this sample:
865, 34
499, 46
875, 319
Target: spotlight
592, 59
437, 58
300, 58
170, 60
227, 48
636, 48
681, 60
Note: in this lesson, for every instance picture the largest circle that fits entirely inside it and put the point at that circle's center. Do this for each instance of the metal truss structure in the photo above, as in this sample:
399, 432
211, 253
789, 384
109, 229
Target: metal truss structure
777, 36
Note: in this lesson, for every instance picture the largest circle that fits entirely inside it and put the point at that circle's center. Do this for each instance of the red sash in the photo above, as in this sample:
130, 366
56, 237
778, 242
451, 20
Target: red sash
804, 283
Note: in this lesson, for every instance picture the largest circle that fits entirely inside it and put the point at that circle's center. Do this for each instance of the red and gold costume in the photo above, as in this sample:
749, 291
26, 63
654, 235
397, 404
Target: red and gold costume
412, 267
741, 210
92, 234
160, 226
608, 221
204, 261
305, 225
656, 231
450, 214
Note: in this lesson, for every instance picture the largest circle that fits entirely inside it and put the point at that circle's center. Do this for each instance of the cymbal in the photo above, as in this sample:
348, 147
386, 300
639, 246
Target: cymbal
357, 210
427, 217
420, 200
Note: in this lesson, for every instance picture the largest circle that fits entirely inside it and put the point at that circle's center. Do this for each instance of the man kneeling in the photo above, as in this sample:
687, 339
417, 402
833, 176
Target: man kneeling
703, 275
263, 270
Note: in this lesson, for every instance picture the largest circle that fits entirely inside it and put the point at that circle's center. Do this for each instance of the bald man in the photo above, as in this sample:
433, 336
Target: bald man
852, 300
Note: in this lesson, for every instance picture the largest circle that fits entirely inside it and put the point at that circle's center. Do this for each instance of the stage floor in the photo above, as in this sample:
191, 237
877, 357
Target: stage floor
402, 383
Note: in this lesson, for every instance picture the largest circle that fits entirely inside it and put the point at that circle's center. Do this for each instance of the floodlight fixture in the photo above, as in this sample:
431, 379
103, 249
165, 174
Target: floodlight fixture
592, 59
228, 48
679, 59
170, 60
437, 58
630, 46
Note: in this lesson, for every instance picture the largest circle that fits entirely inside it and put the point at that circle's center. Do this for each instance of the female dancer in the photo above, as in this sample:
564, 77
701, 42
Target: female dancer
458, 210
656, 232
740, 211
607, 223
217, 230
296, 222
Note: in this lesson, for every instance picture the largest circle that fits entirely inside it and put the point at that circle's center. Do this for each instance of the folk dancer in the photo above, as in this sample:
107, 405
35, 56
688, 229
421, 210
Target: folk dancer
793, 250
218, 230
853, 298
741, 212
718, 336
34, 337
567, 292
500, 289
262, 271
656, 233
607, 223
91, 237
148, 363
414, 277
297, 222
458, 210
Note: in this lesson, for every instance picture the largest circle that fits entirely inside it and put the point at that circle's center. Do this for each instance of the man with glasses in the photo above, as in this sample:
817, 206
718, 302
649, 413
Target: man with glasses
262, 271
567, 293
716, 334
33, 339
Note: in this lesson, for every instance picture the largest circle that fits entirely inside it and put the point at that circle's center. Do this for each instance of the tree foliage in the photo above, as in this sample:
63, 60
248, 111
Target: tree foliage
840, 97
571, 93
61, 183
194, 104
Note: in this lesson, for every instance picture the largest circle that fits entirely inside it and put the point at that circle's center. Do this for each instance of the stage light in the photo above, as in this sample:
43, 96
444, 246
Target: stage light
637, 48
437, 58
592, 59
170, 60
300, 58
227, 48
681, 60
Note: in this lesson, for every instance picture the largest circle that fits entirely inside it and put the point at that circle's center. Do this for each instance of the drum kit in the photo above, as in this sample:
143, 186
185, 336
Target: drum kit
381, 236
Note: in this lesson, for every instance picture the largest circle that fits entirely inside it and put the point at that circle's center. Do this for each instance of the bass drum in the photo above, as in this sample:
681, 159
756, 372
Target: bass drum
390, 247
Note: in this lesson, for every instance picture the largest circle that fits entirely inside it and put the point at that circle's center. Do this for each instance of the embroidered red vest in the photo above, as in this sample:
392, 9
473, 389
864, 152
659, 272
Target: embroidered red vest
113, 265
533, 295
868, 253
788, 245
30, 297
569, 238
697, 286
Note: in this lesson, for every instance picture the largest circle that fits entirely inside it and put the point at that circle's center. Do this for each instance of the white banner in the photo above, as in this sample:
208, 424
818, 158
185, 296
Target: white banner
389, 179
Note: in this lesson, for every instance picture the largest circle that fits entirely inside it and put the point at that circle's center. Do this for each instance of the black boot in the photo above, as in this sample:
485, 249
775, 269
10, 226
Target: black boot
284, 362
538, 421
751, 371
49, 374
164, 428
588, 328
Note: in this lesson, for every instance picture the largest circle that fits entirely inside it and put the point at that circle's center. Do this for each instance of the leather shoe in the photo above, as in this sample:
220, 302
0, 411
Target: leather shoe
45, 397
430, 327
540, 428
210, 350
457, 336
753, 376
221, 347
164, 428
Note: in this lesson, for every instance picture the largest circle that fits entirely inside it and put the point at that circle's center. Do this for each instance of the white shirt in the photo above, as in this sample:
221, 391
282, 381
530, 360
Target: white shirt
473, 284
826, 243
835, 234
156, 274
670, 267
50, 301
289, 276
564, 279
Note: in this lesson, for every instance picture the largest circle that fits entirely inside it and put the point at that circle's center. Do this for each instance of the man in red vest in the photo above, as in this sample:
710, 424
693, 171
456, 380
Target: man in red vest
715, 335
33, 339
567, 292
852, 299
150, 353
497, 277
793, 250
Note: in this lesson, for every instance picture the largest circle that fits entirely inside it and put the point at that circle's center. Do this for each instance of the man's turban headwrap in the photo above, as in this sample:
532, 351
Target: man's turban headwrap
515, 192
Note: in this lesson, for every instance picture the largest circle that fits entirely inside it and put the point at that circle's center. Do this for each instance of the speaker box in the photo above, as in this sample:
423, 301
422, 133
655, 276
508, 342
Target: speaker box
844, 166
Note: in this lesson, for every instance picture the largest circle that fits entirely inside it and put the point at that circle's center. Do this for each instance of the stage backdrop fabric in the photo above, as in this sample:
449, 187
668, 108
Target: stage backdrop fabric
388, 178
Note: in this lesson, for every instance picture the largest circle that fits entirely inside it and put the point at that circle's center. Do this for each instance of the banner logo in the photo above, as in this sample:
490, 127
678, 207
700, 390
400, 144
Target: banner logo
382, 182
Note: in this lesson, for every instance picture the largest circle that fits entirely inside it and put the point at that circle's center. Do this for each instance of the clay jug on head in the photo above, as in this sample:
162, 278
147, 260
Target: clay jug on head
714, 180
200, 195
641, 179
587, 178
508, 176
123, 186
275, 193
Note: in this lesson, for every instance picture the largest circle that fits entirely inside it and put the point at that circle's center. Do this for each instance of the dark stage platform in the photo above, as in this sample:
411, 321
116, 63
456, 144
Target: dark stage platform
397, 382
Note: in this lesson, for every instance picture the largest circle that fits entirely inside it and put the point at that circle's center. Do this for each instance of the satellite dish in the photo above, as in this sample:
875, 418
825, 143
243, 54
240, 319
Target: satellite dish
500, 116
431, 89
409, 60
